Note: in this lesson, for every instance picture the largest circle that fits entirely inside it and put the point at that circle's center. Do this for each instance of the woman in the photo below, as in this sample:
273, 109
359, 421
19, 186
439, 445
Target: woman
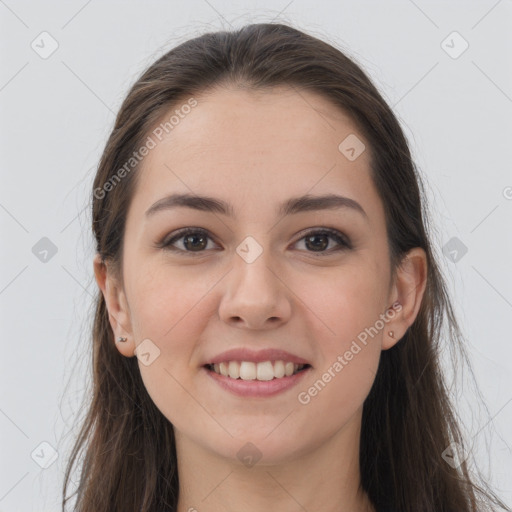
270, 310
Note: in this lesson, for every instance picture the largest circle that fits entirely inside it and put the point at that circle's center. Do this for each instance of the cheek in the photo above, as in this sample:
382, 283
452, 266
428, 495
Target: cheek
346, 302
170, 307
167, 304
348, 308
349, 342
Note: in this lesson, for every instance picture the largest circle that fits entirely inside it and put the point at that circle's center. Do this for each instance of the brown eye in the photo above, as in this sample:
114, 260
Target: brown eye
192, 240
315, 242
195, 240
318, 241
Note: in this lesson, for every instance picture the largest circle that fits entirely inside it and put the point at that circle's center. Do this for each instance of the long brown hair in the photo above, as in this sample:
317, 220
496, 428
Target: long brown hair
128, 448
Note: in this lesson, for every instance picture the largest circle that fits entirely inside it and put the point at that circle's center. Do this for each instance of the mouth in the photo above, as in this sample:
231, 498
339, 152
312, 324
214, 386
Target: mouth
261, 371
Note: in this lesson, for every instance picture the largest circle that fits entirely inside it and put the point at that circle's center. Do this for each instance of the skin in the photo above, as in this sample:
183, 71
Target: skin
256, 150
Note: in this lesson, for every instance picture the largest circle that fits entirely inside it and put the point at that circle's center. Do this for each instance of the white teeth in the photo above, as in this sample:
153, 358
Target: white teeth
247, 370
279, 369
234, 369
265, 371
223, 369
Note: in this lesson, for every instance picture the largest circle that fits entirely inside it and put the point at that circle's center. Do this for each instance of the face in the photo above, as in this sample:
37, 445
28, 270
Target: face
310, 281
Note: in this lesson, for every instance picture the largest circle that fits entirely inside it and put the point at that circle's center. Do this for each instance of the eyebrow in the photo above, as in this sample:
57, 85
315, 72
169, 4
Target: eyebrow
293, 205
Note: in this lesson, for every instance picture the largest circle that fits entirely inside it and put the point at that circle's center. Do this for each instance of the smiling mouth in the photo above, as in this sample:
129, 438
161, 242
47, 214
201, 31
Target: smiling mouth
264, 371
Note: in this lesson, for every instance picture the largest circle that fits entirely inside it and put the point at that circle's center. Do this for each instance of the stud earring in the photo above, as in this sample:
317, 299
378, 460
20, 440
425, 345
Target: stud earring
121, 339
391, 334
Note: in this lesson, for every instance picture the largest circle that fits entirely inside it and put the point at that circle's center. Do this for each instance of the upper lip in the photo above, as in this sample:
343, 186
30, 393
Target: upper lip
256, 356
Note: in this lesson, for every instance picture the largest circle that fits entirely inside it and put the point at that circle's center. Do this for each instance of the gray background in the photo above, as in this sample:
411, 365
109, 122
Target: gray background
57, 112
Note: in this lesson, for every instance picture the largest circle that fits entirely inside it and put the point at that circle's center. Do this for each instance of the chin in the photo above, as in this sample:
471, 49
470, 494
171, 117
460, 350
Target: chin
258, 448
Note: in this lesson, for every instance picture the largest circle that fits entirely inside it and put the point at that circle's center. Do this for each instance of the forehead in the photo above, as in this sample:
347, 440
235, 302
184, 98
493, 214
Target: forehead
246, 146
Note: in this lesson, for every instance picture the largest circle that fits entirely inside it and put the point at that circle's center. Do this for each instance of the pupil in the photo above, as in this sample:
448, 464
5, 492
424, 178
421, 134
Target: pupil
321, 245
195, 237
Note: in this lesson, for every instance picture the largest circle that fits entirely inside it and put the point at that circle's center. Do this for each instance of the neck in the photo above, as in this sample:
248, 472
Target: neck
327, 478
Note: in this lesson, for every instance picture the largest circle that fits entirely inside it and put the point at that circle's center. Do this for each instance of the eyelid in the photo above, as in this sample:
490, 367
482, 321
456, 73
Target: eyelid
166, 242
343, 241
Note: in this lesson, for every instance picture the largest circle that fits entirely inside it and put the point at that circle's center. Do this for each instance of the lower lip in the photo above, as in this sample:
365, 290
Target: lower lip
257, 388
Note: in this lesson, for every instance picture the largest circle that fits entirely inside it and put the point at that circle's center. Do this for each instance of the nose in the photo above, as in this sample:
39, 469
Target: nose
256, 296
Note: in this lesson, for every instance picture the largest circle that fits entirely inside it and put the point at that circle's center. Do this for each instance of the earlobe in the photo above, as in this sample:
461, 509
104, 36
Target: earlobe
408, 290
118, 312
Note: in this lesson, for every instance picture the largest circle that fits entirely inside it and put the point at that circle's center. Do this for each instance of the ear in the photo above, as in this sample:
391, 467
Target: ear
117, 306
408, 290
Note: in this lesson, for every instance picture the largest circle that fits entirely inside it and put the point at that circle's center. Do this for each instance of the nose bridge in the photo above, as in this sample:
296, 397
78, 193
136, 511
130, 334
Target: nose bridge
255, 293
253, 261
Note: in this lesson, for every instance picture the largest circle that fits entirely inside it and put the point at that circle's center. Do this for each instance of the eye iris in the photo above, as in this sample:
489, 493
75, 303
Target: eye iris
323, 244
196, 237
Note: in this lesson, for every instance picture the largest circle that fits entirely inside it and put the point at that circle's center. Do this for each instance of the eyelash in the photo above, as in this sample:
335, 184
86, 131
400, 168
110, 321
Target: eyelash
340, 238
